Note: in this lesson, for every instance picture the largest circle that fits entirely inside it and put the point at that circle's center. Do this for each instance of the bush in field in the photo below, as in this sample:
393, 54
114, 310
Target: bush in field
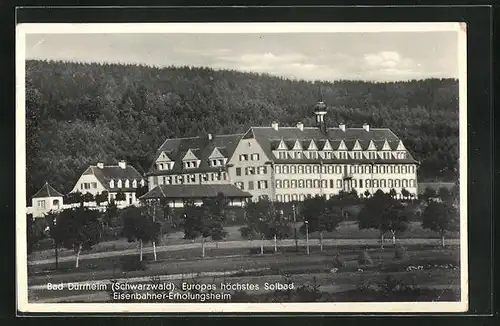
364, 258
132, 263
400, 252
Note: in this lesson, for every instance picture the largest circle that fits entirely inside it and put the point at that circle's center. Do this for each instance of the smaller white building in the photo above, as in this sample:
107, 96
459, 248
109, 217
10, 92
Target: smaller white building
111, 179
47, 199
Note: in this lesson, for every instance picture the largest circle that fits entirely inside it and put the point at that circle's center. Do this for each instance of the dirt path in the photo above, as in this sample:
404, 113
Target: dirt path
243, 244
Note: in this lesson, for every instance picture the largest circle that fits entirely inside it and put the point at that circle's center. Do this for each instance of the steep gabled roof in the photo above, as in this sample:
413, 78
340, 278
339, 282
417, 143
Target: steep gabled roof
268, 136
47, 191
115, 172
202, 147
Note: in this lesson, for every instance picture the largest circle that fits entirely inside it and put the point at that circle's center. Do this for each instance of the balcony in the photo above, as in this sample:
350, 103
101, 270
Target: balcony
347, 176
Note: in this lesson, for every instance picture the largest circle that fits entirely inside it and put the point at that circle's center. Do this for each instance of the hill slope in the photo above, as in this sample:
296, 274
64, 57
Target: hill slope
78, 114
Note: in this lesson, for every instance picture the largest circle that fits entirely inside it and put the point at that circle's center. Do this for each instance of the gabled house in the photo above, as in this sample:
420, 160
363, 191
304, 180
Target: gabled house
45, 200
113, 179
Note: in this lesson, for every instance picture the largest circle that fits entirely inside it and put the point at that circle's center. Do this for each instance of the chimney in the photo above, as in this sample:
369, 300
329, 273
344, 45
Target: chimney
300, 126
366, 126
275, 125
100, 165
122, 164
342, 127
210, 137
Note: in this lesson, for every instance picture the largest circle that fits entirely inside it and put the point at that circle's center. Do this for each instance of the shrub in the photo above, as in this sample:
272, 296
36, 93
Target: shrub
364, 258
400, 252
338, 262
132, 263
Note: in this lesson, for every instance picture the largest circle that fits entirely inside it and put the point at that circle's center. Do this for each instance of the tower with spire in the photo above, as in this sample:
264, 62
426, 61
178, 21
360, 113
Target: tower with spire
320, 111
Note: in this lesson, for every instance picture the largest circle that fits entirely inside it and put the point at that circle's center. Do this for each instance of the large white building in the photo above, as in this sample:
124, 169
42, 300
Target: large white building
291, 163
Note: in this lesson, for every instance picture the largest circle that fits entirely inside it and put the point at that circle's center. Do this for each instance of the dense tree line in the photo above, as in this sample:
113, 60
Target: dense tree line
78, 114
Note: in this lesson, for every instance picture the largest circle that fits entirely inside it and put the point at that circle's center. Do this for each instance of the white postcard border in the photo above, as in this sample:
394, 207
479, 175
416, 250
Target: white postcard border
358, 307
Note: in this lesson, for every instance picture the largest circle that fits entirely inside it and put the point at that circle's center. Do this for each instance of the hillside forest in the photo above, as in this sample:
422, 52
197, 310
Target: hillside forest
78, 114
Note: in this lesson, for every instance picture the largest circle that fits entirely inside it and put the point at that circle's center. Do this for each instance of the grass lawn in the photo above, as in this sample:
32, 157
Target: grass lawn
301, 270
346, 230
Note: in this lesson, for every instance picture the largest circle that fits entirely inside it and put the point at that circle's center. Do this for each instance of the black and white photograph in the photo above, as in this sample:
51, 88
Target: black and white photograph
241, 167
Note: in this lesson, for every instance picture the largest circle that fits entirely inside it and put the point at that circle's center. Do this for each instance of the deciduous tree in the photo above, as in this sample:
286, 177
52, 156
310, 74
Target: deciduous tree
441, 217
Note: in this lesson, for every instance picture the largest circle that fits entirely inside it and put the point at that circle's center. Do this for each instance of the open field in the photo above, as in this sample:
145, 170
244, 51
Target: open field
347, 230
281, 267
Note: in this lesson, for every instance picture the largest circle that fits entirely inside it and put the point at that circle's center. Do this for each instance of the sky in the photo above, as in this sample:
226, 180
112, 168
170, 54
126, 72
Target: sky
384, 56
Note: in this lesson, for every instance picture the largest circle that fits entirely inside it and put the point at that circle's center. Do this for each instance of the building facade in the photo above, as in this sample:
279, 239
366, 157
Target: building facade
111, 179
46, 200
291, 163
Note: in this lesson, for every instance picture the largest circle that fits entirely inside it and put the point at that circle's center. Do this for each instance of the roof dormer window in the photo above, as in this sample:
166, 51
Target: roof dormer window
119, 184
112, 184
127, 184
134, 184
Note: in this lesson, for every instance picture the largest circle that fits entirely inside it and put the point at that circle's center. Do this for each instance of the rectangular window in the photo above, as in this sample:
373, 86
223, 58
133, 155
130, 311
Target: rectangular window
300, 169
324, 184
243, 157
361, 183
255, 157
354, 183
339, 183
250, 185
155, 180
301, 183
293, 169
375, 183
238, 172
286, 184
94, 185
308, 183
308, 169
41, 204
331, 183
285, 169
264, 170
278, 184
293, 184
